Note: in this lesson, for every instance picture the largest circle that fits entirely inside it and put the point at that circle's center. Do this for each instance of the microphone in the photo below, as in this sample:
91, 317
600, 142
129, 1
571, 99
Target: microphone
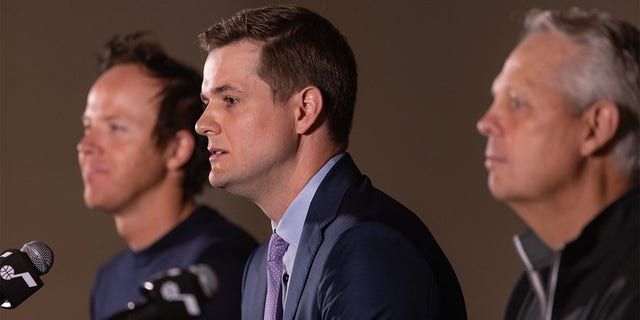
173, 295
20, 272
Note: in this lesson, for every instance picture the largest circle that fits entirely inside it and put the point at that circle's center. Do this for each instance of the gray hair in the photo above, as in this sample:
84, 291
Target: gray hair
608, 69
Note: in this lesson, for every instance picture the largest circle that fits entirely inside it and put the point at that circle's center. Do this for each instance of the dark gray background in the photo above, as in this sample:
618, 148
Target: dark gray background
425, 72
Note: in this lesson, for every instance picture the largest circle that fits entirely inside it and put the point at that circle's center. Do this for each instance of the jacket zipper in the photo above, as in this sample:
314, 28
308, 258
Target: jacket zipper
553, 282
545, 299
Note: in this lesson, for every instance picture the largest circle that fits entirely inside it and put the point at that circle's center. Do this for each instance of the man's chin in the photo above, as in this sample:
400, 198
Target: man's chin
90, 202
216, 183
500, 193
97, 204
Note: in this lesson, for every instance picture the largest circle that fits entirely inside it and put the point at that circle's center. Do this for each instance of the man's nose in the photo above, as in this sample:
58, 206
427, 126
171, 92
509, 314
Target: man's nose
208, 123
87, 144
488, 124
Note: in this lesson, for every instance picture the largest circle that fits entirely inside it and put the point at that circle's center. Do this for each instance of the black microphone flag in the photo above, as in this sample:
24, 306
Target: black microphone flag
20, 272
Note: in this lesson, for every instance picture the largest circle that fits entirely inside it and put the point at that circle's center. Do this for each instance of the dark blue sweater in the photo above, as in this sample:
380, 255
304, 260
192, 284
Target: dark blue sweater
204, 237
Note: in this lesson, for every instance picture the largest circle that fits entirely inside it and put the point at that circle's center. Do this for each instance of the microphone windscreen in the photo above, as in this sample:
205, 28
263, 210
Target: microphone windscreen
40, 255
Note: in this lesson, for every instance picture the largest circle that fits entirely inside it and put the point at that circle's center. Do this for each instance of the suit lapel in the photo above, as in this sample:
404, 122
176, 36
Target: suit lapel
323, 209
255, 285
309, 243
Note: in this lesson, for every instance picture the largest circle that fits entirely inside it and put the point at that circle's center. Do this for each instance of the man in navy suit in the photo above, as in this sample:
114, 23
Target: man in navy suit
279, 90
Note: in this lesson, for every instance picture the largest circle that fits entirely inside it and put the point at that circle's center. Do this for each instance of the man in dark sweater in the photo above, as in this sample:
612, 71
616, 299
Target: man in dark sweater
142, 163
562, 151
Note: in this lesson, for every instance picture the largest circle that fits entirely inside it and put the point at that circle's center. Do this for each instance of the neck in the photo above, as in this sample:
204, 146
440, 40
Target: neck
560, 218
141, 227
306, 163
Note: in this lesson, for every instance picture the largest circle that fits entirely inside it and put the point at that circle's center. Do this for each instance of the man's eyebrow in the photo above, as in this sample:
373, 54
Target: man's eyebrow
222, 89
227, 87
499, 85
104, 118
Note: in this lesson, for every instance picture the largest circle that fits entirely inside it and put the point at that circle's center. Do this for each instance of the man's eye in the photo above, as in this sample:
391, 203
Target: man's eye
231, 100
116, 127
516, 102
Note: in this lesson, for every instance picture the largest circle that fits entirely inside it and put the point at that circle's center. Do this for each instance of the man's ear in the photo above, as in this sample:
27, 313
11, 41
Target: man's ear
179, 150
602, 120
308, 109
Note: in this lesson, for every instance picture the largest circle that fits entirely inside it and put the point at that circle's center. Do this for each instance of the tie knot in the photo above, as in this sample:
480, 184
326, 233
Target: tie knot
277, 247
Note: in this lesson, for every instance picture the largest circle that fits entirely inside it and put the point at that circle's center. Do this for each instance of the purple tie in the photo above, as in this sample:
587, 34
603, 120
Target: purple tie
277, 247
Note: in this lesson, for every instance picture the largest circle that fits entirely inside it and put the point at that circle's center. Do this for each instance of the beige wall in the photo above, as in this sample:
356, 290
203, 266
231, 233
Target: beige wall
425, 66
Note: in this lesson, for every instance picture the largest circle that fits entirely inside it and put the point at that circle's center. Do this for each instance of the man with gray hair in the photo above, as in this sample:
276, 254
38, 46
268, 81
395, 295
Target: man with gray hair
563, 152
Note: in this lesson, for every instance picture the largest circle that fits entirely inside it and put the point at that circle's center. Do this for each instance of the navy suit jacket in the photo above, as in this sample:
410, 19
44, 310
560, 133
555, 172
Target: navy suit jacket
362, 255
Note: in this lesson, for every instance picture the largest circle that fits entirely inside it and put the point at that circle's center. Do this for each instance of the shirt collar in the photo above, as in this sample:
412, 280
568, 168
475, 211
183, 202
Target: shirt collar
595, 239
292, 222
535, 254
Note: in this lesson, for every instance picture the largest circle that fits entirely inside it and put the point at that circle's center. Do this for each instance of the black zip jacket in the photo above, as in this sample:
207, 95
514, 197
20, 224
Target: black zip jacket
593, 277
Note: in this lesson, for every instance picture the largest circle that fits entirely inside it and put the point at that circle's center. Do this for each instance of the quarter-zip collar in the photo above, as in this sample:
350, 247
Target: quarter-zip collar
548, 270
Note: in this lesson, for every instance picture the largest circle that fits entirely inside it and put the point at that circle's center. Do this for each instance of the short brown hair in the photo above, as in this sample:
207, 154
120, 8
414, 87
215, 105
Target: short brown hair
300, 48
180, 104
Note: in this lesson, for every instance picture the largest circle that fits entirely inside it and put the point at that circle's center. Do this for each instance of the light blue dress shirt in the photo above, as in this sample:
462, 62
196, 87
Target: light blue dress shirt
292, 222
